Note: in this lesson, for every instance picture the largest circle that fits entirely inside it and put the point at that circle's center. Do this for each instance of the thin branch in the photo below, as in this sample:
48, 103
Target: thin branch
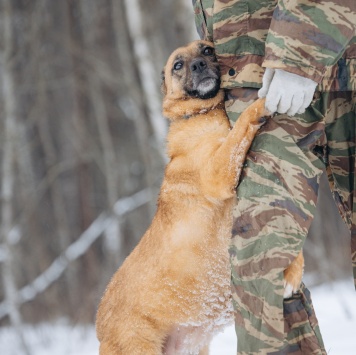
77, 249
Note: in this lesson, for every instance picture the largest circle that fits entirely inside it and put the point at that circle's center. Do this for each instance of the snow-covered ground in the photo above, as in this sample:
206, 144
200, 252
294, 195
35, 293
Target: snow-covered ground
335, 306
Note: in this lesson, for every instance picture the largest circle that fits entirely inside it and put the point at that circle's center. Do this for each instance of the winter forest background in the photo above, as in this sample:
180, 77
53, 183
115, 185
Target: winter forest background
82, 152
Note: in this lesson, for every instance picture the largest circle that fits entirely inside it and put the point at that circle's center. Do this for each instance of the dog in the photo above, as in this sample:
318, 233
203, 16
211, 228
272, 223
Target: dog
172, 293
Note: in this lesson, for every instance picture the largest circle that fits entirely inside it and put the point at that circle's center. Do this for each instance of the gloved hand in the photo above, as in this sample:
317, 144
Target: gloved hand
286, 92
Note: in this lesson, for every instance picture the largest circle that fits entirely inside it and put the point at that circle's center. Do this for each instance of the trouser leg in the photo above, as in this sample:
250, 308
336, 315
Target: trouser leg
276, 202
340, 130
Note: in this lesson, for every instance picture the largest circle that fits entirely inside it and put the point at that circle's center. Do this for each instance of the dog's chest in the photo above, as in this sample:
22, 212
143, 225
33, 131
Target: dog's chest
190, 337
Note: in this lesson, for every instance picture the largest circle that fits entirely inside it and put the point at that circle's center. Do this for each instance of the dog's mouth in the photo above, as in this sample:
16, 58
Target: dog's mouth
205, 88
207, 84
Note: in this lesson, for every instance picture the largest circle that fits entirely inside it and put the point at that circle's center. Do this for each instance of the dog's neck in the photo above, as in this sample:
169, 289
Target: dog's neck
203, 111
193, 106
188, 126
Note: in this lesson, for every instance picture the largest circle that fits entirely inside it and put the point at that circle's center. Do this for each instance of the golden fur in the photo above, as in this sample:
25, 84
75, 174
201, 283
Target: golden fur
172, 293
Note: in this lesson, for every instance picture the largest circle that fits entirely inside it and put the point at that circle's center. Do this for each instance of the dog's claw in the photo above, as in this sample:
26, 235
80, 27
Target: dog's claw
262, 120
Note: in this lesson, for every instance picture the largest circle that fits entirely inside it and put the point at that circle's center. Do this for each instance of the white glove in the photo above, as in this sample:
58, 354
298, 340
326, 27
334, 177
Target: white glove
286, 92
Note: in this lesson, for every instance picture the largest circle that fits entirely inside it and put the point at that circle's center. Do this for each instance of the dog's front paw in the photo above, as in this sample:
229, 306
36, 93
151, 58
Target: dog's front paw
293, 276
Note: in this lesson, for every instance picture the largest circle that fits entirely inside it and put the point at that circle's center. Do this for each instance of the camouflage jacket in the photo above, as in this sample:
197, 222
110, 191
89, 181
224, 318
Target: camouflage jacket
315, 39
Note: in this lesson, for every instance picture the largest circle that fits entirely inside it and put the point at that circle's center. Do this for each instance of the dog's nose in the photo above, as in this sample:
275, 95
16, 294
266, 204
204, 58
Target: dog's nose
198, 65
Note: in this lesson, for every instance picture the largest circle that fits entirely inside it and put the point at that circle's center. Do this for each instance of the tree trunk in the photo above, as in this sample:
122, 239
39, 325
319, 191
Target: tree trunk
8, 174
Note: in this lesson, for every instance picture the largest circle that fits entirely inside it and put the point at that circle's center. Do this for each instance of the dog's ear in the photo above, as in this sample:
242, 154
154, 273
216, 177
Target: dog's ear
163, 83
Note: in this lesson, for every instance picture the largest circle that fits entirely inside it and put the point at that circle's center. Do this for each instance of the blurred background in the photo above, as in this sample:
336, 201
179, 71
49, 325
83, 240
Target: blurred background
82, 152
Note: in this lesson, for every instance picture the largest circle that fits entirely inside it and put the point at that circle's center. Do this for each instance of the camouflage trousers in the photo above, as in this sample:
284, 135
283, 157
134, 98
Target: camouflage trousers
276, 201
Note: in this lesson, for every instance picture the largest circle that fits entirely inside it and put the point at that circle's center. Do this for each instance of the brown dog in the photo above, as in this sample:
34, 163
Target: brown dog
173, 291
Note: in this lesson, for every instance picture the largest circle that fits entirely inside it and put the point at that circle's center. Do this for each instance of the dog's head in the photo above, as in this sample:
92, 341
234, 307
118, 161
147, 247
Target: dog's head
192, 71
191, 75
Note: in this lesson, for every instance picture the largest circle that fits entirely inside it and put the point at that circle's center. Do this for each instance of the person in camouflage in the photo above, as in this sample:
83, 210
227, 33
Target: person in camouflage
314, 43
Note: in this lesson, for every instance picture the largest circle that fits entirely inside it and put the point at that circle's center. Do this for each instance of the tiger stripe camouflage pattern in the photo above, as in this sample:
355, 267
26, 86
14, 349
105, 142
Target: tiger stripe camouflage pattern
278, 188
314, 39
276, 203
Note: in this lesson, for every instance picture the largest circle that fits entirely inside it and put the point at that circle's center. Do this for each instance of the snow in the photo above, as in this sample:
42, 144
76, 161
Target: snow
77, 248
334, 303
335, 307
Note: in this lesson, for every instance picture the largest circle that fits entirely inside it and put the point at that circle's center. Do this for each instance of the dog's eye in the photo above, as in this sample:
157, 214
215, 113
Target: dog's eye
178, 65
208, 51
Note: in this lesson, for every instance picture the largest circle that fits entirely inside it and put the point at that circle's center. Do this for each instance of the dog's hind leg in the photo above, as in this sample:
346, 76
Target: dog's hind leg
140, 344
136, 347
293, 276
204, 351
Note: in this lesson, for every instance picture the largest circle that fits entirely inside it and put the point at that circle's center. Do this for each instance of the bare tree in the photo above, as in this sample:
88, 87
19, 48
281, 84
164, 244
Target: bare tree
82, 138
8, 173
151, 96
